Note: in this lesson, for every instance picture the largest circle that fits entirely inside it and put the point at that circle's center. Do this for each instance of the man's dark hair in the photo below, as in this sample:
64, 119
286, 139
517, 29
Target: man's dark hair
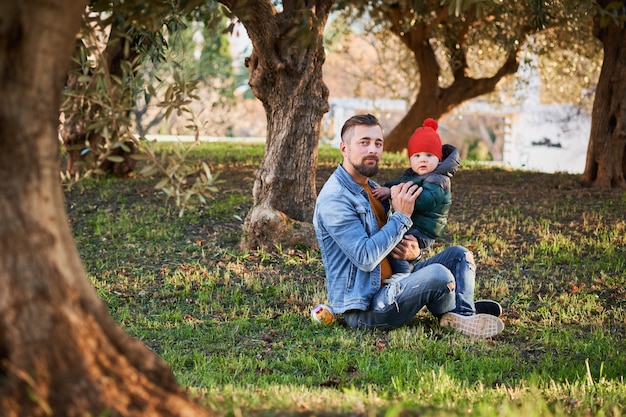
359, 119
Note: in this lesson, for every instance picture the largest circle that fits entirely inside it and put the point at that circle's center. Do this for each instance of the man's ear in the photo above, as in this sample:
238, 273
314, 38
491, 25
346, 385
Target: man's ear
342, 147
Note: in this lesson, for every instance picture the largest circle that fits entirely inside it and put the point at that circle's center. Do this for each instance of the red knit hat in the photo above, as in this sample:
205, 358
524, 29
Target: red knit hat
426, 139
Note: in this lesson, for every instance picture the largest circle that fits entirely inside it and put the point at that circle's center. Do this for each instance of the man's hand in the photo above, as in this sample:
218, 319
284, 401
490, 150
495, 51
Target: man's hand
403, 197
407, 249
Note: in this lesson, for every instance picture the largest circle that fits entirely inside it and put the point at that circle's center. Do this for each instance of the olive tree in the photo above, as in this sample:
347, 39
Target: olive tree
461, 49
60, 352
285, 73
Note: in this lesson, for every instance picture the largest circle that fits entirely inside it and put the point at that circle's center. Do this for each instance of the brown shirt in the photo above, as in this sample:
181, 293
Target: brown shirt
381, 218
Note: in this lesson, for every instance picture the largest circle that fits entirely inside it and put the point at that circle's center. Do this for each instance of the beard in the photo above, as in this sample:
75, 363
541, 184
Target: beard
367, 170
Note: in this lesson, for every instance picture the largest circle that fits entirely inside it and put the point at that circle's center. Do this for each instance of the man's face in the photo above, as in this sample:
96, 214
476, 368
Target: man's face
361, 152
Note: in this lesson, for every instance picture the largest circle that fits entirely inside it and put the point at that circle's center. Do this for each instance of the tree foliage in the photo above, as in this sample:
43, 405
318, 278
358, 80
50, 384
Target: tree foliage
195, 56
121, 60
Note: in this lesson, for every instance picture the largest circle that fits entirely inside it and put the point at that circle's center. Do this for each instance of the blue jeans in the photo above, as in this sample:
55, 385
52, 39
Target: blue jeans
443, 283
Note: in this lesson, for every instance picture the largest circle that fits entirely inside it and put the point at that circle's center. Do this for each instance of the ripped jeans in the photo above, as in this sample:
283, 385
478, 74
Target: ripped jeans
443, 283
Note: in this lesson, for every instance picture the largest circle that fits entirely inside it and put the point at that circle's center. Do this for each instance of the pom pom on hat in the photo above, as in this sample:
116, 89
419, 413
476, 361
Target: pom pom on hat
426, 139
432, 123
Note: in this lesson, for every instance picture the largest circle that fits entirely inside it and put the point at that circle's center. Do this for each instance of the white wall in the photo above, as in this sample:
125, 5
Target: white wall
558, 124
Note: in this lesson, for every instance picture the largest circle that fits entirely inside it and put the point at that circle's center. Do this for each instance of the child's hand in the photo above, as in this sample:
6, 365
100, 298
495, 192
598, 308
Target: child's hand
381, 193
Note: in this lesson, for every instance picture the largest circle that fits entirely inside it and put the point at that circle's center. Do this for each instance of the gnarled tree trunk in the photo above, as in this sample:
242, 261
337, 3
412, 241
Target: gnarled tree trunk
60, 352
606, 154
286, 75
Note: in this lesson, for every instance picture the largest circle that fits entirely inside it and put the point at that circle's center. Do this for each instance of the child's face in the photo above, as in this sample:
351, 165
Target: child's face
423, 162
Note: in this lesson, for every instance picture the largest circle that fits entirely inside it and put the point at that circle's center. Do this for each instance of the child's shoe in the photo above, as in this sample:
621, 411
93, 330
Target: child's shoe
322, 314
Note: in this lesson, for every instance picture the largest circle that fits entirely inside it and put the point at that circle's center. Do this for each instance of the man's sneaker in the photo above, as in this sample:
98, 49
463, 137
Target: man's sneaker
490, 307
477, 325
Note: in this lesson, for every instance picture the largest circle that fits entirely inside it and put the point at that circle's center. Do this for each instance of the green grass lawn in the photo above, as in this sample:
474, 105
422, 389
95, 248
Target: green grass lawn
234, 326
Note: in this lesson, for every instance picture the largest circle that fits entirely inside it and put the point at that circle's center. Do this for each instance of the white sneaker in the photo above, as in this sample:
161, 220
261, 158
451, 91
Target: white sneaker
477, 325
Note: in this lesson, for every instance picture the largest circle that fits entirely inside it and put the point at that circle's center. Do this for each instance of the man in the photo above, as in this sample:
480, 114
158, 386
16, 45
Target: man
355, 237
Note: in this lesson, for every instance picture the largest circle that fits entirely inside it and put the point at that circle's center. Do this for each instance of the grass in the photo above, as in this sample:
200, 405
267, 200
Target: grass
234, 326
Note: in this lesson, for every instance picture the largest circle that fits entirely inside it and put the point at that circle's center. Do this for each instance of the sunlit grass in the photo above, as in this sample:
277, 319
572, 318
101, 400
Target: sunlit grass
234, 326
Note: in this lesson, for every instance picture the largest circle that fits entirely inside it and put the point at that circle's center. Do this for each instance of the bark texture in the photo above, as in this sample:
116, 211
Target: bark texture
60, 352
286, 75
606, 154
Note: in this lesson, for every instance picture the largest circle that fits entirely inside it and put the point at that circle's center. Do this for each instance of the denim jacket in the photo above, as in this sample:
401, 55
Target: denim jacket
351, 244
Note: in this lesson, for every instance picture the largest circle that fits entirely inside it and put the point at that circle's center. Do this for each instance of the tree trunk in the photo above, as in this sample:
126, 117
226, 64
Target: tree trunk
286, 75
60, 352
606, 154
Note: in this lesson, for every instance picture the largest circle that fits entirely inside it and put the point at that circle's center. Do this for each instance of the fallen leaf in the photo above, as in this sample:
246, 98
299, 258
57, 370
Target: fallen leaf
330, 383
380, 344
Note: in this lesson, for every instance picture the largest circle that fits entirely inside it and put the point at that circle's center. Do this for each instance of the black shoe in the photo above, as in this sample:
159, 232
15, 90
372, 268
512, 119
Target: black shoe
490, 307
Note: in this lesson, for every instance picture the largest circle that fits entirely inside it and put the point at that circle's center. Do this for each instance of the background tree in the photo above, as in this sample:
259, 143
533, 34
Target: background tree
440, 42
285, 70
60, 352
606, 154
460, 52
